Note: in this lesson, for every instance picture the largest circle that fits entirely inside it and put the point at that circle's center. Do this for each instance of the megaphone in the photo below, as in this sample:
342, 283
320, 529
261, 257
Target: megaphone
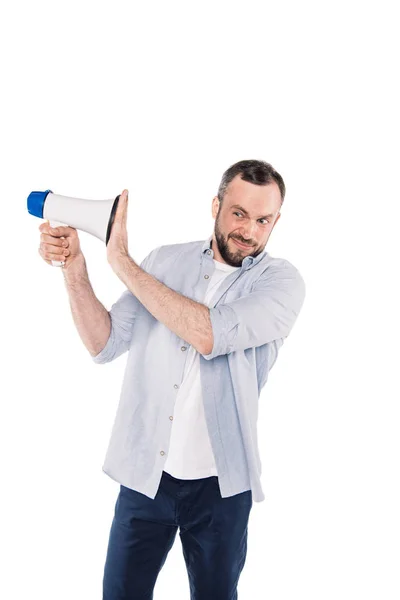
93, 216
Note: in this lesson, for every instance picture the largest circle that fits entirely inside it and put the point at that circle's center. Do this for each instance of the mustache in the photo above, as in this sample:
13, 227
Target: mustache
244, 243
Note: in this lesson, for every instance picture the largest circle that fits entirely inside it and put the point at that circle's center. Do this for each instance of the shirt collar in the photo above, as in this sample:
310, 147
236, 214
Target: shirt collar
248, 261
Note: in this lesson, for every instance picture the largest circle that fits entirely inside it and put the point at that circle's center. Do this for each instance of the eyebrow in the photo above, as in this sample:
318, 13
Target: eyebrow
246, 213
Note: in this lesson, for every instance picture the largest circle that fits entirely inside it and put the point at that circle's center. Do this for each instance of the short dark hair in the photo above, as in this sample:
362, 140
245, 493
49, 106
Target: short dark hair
254, 171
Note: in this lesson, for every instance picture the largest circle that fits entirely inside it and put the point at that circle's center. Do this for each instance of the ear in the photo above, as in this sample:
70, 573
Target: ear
214, 207
276, 220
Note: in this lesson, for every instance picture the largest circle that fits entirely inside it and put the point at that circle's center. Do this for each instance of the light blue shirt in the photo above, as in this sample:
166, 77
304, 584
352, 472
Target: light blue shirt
252, 312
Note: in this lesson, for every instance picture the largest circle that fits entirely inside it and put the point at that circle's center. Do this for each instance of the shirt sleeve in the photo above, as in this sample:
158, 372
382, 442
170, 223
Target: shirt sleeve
123, 314
267, 313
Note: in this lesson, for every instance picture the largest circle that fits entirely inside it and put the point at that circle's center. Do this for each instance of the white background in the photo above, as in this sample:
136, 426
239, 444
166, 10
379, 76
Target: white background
161, 98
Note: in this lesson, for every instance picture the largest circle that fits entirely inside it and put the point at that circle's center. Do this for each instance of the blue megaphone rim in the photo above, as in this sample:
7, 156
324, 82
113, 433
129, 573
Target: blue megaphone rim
36, 202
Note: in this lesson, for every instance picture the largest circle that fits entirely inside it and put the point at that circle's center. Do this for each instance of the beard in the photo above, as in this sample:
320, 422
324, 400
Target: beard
233, 257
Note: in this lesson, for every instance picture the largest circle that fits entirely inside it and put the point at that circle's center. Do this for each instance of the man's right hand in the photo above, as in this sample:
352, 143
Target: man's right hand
62, 245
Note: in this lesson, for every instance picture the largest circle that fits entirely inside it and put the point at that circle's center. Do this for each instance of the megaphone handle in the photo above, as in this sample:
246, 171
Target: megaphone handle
57, 263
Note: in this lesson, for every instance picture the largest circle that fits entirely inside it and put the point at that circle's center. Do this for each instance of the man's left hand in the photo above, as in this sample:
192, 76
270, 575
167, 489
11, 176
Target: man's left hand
117, 247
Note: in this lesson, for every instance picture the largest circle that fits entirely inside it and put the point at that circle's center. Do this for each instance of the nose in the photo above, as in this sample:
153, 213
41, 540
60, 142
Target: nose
246, 236
248, 231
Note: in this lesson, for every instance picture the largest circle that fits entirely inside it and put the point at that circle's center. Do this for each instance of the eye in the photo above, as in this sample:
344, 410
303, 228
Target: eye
238, 213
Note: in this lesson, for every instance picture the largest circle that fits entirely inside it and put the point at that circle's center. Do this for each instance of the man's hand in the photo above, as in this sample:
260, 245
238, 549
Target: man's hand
60, 244
117, 247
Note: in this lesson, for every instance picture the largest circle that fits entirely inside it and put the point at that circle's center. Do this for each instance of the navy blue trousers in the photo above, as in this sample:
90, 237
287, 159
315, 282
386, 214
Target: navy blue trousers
212, 529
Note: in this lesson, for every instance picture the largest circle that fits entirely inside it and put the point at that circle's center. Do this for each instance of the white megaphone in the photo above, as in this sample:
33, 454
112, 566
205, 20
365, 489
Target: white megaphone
93, 216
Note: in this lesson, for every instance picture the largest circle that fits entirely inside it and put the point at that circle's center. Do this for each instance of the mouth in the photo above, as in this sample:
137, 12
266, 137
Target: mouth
240, 245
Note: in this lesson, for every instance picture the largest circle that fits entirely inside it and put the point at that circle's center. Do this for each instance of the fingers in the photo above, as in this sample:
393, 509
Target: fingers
53, 248
45, 259
122, 208
49, 256
54, 241
55, 231
57, 244
49, 252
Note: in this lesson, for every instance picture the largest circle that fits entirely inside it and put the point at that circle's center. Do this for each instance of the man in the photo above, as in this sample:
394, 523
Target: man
203, 323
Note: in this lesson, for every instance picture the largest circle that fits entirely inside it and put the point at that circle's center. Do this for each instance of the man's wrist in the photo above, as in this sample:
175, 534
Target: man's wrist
123, 265
76, 270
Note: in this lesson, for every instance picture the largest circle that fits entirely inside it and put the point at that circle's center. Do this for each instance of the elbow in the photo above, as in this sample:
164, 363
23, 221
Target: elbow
207, 345
97, 352
97, 358
100, 358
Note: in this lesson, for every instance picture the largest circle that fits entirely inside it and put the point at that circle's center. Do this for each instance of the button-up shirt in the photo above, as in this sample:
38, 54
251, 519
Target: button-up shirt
251, 312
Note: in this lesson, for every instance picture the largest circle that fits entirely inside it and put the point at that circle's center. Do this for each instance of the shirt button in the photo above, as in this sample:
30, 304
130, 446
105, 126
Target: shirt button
162, 452
183, 348
171, 418
208, 251
206, 276
176, 386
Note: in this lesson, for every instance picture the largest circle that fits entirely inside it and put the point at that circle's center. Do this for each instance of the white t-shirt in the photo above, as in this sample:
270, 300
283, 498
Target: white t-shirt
190, 455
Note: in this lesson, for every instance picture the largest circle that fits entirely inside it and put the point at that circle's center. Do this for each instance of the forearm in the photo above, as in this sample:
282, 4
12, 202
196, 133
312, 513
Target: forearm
91, 318
187, 318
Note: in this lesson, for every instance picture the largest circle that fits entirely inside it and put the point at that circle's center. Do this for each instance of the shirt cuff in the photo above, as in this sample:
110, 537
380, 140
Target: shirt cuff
224, 323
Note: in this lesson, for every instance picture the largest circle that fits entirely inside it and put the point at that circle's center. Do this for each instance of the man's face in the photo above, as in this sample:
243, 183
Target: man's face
252, 224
